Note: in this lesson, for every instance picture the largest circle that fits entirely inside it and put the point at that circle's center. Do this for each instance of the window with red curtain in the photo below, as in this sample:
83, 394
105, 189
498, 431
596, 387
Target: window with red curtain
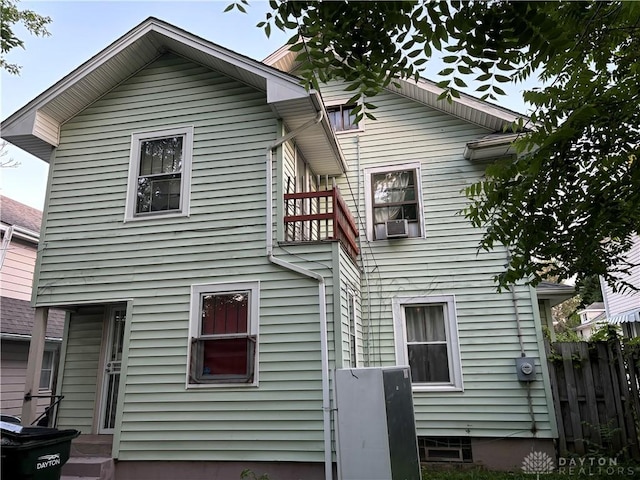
225, 346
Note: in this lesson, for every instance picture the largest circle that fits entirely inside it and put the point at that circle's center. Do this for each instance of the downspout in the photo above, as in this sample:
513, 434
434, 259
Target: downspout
8, 233
322, 298
365, 267
6, 241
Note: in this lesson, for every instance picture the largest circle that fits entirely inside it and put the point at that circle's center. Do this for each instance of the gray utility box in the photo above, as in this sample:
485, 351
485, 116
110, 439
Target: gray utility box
375, 425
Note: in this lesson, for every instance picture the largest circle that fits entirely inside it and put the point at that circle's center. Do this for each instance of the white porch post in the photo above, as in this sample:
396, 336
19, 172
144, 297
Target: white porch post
34, 365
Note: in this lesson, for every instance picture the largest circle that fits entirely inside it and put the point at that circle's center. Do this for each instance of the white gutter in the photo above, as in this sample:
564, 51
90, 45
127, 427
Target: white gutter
26, 338
322, 297
9, 232
22, 233
493, 146
6, 241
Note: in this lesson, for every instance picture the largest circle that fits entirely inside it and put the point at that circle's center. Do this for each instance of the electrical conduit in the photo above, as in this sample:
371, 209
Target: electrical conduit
523, 353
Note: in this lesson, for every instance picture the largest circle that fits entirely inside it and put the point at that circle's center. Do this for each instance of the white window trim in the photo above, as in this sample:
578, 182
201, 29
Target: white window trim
368, 203
453, 343
134, 167
52, 352
336, 103
351, 295
197, 291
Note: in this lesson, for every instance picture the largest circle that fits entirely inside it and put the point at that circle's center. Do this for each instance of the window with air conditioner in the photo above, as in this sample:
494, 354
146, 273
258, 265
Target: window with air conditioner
394, 202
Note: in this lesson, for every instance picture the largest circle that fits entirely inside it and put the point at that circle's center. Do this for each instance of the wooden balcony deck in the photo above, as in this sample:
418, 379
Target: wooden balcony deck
320, 216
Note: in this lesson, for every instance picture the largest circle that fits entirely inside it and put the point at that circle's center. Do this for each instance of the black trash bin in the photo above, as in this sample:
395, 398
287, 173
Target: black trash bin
34, 453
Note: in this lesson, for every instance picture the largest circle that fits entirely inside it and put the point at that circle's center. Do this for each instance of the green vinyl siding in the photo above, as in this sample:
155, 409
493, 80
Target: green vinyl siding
289, 167
349, 277
92, 255
80, 369
445, 262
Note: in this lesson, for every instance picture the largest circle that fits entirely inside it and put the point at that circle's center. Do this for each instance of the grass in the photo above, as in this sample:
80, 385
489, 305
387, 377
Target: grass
620, 472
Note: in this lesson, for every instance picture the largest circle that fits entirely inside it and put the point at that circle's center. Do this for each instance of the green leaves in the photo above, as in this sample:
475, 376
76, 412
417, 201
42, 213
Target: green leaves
10, 14
570, 202
459, 82
574, 202
237, 5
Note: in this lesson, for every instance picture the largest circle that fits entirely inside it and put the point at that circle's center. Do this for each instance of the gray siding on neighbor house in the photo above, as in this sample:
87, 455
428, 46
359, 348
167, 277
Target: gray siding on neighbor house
626, 300
446, 262
91, 255
13, 358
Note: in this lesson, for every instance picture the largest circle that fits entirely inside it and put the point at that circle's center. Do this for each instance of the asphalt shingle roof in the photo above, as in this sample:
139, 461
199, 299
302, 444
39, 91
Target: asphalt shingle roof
16, 213
18, 315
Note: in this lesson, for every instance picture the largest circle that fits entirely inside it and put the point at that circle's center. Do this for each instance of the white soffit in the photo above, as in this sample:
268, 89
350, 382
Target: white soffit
468, 108
35, 127
554, 292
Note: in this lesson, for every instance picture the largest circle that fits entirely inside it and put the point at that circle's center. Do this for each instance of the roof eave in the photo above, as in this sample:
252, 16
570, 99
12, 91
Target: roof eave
490, 147
467, 107
555, 293
318, 144
35, 127
26, 338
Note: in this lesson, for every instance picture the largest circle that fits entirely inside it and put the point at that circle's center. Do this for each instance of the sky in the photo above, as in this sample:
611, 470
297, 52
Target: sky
81, 29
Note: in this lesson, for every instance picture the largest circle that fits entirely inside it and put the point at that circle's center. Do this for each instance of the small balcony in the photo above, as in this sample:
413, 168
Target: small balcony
320, 216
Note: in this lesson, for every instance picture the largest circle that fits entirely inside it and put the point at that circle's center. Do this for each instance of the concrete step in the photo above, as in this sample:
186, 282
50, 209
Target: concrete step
101, 468
92, 446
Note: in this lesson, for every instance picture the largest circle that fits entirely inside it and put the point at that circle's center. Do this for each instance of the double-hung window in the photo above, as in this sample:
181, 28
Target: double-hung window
342, 118
46, 373
394, 202
224, 334
427, 340
159, 173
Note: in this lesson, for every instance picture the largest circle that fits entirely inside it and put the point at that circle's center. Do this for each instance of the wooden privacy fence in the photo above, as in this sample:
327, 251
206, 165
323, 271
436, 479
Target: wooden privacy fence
596, 397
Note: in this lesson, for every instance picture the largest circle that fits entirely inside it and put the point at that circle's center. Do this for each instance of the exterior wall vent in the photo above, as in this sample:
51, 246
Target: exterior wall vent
397, 228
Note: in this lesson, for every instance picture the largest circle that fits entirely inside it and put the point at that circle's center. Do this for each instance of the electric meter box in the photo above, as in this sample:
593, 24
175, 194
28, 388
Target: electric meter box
525, 369
376, 427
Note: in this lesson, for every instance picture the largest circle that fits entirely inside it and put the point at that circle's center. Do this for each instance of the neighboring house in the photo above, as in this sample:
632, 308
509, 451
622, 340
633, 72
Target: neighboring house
623, 307
20, 227
215, 277
591, 318
549, 295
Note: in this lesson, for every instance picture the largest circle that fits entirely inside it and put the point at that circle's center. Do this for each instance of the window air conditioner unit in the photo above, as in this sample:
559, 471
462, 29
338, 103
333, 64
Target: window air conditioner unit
397, 228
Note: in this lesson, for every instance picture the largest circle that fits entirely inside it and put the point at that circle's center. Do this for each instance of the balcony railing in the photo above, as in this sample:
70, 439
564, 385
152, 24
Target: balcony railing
319, 216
